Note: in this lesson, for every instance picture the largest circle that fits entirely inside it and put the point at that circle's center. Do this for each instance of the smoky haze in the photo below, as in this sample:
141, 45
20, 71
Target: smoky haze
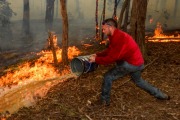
81, 15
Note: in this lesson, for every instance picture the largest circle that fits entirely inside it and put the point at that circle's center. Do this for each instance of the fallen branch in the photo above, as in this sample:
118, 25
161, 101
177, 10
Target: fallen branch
151, 62
87, 116
114, 115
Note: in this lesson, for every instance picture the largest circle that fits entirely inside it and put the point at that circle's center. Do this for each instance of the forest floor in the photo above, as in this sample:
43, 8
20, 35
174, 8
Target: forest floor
72, 99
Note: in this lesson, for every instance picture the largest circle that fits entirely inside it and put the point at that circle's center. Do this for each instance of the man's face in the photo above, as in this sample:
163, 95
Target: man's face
106, 29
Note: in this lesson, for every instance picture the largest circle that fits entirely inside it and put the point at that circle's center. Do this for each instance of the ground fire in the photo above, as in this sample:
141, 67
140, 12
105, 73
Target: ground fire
159, 36
20, 86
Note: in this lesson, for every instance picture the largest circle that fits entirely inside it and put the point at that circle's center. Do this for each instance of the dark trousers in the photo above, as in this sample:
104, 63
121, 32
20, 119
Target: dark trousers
124, 68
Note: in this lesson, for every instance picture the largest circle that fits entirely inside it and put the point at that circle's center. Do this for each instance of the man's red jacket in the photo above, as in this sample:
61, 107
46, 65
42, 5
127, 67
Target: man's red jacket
122, 47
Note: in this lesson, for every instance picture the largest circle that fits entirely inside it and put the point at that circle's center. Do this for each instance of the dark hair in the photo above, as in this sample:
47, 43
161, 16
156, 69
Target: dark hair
110, 22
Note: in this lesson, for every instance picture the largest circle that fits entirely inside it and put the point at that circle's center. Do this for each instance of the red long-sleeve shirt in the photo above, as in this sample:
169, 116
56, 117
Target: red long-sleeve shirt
122, 47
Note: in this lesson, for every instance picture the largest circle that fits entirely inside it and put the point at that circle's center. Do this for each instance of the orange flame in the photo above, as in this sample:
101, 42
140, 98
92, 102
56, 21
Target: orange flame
41, 69
158, 32
160, 37
151, 20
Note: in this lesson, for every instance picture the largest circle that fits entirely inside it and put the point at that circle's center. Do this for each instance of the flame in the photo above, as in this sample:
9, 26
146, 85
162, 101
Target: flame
159, 36
116, 18
97, 27
158, 32
151, 20
41, 69
105, 41
32, 80
87, 45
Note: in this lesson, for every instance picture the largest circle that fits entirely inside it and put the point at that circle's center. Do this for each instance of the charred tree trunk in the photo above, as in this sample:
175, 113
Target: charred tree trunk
96, 19
103, 17
53, 47
137, 22
115, 9
124, 7
126, 19
26, 16
104, 10
65, 32
49, 14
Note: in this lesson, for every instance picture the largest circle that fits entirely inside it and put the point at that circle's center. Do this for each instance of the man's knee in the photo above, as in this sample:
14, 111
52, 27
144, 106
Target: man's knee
136, 76
108, 77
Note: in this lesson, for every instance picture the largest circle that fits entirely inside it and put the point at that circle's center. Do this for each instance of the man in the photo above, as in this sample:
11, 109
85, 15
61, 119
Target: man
123, 51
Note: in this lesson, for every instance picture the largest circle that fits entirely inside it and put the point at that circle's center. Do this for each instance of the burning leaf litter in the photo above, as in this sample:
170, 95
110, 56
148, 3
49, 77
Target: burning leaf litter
159, 36
32, 81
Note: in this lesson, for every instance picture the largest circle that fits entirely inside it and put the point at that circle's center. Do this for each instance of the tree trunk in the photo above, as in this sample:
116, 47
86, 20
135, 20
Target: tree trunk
126, 18
26, 16
65, 32
103, 17
96, 18
115, 9
49, 14
53, 47
137, 22
125, 4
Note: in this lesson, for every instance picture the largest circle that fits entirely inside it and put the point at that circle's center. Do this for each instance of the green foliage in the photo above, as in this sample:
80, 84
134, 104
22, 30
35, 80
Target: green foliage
5, 12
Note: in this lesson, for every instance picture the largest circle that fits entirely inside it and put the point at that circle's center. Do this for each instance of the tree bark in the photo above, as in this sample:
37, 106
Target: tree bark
137, 23
49, 14
115, 10
26, 16
53, 47
65, 32
96, 18
122, 13
102, 19
126, 18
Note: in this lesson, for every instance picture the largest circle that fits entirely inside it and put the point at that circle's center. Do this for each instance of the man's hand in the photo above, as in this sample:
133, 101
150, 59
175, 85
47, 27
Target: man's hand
92, 58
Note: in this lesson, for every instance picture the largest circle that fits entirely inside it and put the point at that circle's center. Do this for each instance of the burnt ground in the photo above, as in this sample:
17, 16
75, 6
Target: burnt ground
71, 100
